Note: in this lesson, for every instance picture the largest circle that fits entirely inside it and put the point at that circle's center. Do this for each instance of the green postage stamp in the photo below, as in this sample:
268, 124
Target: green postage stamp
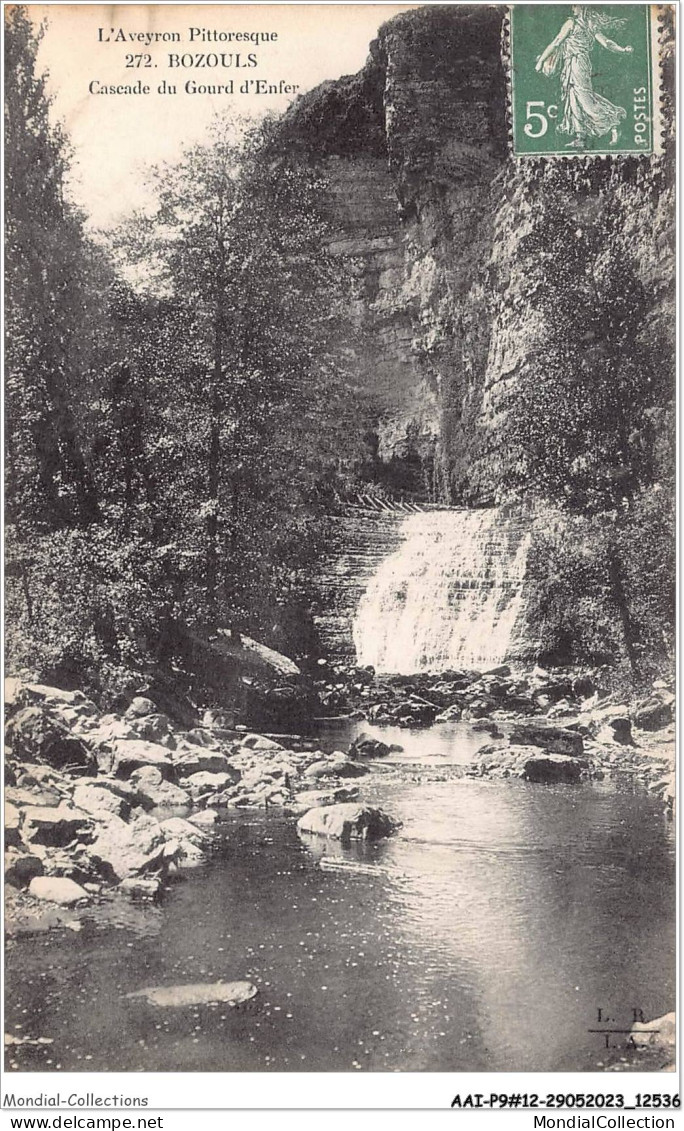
584, 79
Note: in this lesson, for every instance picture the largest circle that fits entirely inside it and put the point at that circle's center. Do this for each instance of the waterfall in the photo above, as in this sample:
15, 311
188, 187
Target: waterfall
449, 597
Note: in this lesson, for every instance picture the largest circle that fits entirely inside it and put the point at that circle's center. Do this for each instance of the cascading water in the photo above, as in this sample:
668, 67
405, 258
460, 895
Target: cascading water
449, 597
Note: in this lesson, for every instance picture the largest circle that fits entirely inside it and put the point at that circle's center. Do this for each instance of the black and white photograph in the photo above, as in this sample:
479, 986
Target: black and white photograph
339, 546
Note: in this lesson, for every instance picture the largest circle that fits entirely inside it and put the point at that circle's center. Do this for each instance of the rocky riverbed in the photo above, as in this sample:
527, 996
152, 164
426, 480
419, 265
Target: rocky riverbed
100, 804
105, 812
96, 803
537, 724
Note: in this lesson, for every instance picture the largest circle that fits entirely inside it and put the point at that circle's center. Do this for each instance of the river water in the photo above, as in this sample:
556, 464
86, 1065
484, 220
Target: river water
487, 936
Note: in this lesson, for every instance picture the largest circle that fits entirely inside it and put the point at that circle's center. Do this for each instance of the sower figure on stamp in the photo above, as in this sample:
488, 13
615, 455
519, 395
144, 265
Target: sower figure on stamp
585, 113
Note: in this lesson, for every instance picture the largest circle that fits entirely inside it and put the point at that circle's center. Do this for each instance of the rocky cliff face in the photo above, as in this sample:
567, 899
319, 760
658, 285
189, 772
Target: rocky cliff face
430, 212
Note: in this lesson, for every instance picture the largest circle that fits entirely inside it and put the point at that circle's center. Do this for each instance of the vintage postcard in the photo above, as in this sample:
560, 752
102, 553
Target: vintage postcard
339, 550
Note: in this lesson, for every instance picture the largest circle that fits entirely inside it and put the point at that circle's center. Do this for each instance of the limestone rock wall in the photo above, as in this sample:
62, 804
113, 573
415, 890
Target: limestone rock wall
430, 211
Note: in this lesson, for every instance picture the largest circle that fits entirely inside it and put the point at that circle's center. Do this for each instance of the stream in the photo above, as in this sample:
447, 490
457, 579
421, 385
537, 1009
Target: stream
488, 934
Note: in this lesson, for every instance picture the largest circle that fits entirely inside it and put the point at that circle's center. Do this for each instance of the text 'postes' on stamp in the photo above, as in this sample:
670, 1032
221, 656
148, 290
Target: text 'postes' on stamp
582, 79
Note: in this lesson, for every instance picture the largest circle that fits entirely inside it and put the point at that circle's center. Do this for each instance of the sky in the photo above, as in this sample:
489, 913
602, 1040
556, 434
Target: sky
115, 136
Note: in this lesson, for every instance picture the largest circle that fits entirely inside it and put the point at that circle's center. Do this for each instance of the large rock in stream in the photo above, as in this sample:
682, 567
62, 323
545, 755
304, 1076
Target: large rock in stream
553, 768
555, 740
125, 849
365, 746
348, 822
199, 993
57, 889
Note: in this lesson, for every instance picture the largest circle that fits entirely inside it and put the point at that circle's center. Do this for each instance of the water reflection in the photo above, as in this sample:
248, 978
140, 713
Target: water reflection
444, 744
489, 932
540, 902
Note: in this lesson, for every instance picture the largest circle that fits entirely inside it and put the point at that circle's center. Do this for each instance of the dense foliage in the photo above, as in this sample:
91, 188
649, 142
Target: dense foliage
590, 428
175, 415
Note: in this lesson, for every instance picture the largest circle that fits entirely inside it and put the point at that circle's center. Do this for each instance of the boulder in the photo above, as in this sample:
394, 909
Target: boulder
202, 993
365, 746
479, 707
108, 730
21, 867
134, 754
72, 861
451, 715
124, 849
198, 761
521, 704
176, 828
257, 776
661, 1033
150, 784
200, 785
94, 799
311, 798
318, 769
55, 827
141, 887
57, 889
12, 694
553, 768
563, 709
206, 819
156, 728
46, 778
184, 853
496, 687
57, 699
420, 710
124, 790
557, 740
234, 795
35, 735
140, 707
348, 822
171, 700
344, 768
41, 693
654, 713
199, 737
223, 720
32, 794
259, 742
618, 729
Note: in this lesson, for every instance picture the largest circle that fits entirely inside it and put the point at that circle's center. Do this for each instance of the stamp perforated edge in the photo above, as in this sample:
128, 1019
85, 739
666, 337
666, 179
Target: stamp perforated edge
657, 46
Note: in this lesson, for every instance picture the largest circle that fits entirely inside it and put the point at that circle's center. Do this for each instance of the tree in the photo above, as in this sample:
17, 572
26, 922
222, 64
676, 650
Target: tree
175, 410
49, 482
584, 420
247, 297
